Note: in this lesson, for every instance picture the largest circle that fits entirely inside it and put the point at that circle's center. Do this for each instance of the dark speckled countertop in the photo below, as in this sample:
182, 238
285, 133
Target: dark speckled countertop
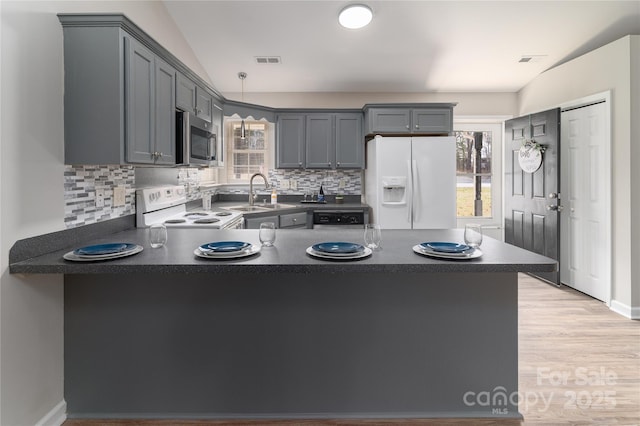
288, 255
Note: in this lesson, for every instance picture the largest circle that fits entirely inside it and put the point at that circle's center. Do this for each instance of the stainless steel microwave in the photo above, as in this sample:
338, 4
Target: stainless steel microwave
197, 140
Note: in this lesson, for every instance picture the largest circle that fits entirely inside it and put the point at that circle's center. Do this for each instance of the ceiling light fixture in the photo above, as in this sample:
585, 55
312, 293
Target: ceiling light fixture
355, 16
243, 132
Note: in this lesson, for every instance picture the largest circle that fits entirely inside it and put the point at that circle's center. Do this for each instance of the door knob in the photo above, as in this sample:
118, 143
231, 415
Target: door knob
554, 195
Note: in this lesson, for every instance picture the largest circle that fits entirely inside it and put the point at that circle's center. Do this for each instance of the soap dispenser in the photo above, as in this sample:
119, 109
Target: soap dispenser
274, 196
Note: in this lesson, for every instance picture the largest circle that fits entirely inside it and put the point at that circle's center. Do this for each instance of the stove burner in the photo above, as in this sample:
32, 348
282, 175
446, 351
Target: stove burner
175, 221
224, 214
196, 214
208, 220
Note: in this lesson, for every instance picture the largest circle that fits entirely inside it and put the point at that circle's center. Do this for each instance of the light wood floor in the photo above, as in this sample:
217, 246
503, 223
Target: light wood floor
579, 365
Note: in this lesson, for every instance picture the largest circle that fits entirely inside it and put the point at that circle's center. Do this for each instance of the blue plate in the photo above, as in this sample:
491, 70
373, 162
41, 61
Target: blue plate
225, 246
446, 247
102, 249
338, 247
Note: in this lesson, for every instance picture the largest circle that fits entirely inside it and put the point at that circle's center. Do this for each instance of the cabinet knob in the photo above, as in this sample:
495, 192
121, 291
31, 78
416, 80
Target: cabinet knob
295, 220
329, 163
417, 127
160, 155
407, 126
338, 164
300, 164
155, 154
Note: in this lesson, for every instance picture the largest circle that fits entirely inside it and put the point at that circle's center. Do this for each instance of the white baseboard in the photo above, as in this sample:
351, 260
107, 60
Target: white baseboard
630, 312
55, 417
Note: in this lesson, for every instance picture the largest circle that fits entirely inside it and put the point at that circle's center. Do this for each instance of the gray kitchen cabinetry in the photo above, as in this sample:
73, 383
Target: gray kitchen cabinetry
193, 98
293, 220
120, 89
349, 141
320, 141
423, 119
150, 106
254, 222
290, 141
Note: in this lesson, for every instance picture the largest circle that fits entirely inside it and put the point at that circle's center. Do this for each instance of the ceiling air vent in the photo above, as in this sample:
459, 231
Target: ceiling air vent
532, 58
268, 60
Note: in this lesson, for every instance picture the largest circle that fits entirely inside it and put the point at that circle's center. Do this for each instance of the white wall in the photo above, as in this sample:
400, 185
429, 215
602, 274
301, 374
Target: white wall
496, 104
31, 189
606, 68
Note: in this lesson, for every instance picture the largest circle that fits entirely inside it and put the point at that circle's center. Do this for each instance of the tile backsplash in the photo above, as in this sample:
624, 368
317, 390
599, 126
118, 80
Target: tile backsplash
346, 182
80, 185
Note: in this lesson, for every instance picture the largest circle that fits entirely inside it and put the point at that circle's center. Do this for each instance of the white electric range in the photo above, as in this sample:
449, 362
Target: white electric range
168, 205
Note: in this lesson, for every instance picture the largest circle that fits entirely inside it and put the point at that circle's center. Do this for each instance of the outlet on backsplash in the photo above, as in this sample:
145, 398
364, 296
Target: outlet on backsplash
118, 196
99, 197
294, 184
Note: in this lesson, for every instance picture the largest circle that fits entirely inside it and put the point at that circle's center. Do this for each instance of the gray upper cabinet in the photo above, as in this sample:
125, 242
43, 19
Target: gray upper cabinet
185, 94
422, 119
121, 89
193, 98
290, 141
390, 120
320, 140
349, 141
319, 143
150, 106
432, 120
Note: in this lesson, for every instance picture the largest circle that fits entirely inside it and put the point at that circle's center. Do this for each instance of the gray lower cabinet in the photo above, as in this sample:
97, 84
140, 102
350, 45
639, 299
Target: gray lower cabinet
293, 220
254, 222
150, 106
423, 119
320, 141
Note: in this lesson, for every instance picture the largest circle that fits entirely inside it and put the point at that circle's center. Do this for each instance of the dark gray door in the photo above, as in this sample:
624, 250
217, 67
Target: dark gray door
320, 146
531, 215
290, 142
165, 113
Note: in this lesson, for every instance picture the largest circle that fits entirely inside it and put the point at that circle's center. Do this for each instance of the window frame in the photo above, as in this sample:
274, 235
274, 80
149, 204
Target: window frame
496, 127
269, 150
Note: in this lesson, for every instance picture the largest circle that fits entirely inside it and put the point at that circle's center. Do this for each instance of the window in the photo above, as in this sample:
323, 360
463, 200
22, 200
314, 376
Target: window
478, 169
248, 156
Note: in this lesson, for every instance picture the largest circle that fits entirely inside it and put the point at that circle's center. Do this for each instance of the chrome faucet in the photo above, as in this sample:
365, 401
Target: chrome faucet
251, 195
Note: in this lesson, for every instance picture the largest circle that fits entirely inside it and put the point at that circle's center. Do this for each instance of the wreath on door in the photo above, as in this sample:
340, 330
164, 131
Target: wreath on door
530, 155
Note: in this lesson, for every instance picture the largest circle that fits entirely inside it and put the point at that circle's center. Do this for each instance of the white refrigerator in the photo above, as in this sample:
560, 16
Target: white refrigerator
410, 182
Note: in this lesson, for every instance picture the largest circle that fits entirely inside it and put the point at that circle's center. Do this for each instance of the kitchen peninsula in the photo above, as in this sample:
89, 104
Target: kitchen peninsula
165, 334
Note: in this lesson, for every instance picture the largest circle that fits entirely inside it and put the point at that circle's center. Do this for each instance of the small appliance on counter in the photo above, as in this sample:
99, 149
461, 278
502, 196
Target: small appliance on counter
168, 205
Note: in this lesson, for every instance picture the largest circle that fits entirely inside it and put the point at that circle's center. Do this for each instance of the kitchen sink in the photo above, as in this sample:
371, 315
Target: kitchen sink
259, 207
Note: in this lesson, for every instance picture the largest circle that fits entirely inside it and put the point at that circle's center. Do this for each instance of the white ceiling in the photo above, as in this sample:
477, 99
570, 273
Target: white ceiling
410, 46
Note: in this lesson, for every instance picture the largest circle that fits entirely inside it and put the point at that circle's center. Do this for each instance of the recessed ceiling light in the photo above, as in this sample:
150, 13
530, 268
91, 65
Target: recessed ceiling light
355, 16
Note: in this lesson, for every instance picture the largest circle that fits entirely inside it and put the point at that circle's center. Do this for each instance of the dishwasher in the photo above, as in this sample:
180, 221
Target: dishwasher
345, 219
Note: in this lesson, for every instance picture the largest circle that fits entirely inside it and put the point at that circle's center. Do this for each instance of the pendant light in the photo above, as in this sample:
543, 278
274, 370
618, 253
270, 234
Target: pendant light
243, 132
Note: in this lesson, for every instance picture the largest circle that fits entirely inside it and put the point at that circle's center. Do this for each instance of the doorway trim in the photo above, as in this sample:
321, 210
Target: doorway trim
583, 102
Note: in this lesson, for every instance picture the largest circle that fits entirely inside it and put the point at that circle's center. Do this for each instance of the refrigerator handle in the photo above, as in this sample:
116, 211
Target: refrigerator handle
415, 189
410, 192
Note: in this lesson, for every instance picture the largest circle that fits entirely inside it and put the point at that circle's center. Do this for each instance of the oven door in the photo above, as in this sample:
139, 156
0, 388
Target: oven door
203, 142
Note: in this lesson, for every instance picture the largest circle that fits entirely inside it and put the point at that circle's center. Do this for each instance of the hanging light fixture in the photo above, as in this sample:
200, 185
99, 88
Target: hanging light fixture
355, 16
243, 132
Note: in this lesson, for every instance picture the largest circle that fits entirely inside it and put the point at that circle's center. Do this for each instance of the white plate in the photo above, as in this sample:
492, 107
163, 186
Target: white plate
367, 252
450, 256
231, 255
77, 258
